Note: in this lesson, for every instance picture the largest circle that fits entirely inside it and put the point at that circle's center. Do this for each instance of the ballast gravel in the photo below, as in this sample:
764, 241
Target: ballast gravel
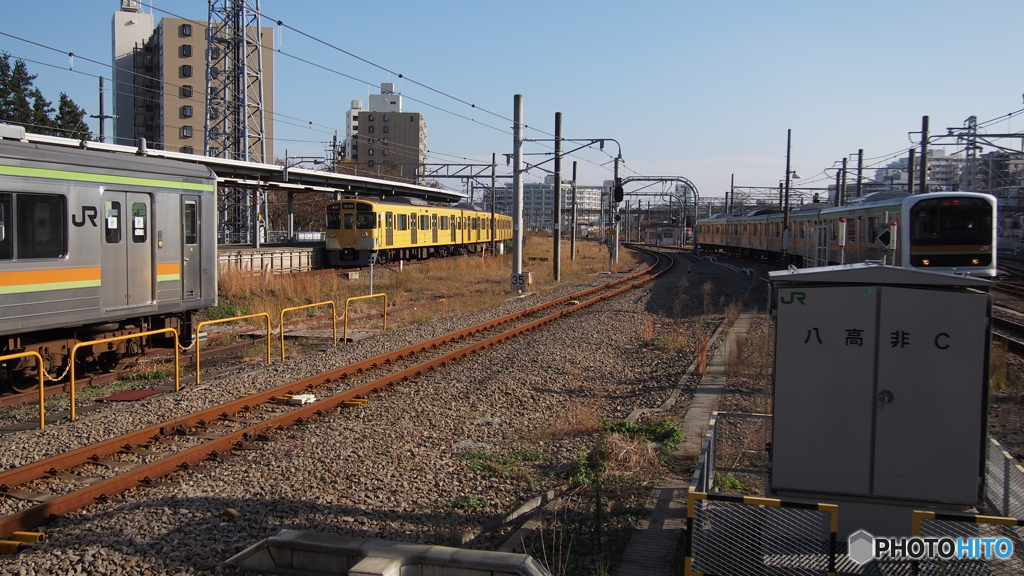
425, 462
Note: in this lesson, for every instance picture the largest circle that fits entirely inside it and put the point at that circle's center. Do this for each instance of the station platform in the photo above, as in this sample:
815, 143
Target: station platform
273, 258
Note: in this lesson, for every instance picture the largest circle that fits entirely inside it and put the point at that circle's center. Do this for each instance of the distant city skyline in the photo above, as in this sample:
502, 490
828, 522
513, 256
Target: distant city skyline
701, 90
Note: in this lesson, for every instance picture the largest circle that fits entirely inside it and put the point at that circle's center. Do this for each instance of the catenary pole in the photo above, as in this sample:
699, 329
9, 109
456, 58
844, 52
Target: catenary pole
556, 216
924, 155
517, 185
572, 243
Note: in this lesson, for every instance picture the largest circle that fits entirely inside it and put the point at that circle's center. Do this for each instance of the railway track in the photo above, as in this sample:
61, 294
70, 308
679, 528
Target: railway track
72, 480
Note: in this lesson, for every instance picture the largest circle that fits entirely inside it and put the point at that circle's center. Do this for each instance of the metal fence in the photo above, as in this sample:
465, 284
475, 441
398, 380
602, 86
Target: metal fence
749, 536
1004, 482
734, 444
966, 526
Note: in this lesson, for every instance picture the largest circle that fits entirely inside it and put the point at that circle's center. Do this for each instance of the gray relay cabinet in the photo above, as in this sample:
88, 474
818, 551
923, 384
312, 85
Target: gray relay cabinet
880, 383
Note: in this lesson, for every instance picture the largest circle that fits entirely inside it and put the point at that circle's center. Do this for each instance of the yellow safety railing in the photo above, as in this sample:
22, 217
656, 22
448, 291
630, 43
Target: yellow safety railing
334, 319
345, 333
74, 349
39, 369
207, 322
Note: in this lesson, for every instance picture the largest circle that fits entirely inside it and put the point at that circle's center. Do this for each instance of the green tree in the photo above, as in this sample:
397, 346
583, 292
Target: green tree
70, 120
42, 110
5, 88
24, 104
19, 99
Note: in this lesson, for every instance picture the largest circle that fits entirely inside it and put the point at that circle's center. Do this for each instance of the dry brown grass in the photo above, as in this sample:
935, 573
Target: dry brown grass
647, 330
580, 418
418, 294
631, 456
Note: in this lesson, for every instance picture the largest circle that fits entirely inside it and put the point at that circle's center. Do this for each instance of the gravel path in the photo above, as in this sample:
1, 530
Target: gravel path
423, 462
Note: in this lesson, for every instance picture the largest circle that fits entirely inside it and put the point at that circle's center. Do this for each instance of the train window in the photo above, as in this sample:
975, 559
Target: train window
412, 221
140, 228
433, 221
476, 223
112, 222
348, 221
444, 222
851, 230
872, 229
424, 222
42, 226
366, 220
403, 222
6, 246
191, 222
333, 220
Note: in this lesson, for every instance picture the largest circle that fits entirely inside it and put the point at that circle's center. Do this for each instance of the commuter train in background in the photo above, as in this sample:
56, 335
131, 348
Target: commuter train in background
940, 231
96, 245
407, 229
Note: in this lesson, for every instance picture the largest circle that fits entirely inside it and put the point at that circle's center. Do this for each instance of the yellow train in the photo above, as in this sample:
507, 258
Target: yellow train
407, 229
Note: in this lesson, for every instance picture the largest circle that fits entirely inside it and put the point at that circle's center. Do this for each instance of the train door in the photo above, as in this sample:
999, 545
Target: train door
451, 226
126, 253
822, 240
412, 228
191, 249
433, 227
389, 229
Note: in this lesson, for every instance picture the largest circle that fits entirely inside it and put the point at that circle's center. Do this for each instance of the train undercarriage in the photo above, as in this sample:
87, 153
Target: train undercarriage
54, 346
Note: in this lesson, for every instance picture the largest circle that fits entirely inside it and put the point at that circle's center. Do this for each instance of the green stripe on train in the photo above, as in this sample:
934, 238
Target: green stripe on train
22, 288
88, 177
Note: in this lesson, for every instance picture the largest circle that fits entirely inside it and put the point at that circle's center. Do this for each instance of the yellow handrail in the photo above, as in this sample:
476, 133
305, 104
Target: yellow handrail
39, 369
334, 319
345, 333
201, 324
74, 349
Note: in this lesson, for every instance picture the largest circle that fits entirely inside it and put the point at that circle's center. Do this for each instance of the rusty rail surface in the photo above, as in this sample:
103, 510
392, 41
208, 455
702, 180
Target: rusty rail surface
143, 475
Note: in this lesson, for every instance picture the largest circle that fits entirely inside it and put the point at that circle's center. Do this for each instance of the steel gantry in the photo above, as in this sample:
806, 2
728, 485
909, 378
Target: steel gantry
234, 126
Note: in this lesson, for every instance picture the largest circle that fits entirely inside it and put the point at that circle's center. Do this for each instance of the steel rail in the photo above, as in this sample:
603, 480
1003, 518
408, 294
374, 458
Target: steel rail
143, 475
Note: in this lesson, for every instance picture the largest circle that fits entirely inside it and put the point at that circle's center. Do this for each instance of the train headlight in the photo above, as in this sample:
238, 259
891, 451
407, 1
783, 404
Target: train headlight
364, 234
926, 262
975, 261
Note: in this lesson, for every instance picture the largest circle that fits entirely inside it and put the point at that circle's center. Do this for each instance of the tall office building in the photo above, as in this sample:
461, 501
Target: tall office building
383, 139
160, 82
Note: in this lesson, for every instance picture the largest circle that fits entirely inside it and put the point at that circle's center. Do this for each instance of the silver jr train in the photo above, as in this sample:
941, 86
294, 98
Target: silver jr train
940, 231
95, 245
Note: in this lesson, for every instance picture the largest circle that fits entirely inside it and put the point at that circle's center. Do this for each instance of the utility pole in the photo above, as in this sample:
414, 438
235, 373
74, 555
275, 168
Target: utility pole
860, 173
494, 165
102, 115
556, 249
614, 215
572, 243
785, 208
844, 182
517, 194
910, 172
924, 155
839, 197
730, 198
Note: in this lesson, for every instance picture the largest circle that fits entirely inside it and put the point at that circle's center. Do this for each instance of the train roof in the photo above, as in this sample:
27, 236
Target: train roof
26, 154
873, 274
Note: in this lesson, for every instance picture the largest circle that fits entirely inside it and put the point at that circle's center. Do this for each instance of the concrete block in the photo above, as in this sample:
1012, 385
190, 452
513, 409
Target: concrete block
371, 566
319, 562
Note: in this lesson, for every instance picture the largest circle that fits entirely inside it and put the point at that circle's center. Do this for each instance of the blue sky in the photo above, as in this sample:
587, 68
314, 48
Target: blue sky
695, 89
